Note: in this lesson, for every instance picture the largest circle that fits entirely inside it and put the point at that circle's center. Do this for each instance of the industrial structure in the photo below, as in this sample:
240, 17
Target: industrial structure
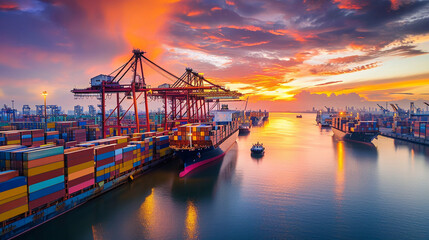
188, 98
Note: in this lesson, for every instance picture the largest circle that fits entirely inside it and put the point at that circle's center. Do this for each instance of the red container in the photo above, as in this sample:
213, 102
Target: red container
5, 176
104, 161
79, 157
104, 149
44, 161
13, 204
80, 180
45, 176
46, 199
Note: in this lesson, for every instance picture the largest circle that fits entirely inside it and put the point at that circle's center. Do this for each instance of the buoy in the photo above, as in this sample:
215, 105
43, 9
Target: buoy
131, 178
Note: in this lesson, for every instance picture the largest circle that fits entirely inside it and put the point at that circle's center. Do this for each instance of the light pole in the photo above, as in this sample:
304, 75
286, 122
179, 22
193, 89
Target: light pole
45, 93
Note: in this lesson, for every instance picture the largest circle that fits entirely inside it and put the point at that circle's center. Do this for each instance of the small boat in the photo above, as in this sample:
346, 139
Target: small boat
244, 128
257, 148
298, 116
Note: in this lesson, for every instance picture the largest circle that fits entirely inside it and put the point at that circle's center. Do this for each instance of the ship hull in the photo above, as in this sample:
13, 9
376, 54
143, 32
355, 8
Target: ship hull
244, 130
362, 137
192, 159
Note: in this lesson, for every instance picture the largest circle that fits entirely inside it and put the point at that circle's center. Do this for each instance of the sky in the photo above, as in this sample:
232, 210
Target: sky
285, 55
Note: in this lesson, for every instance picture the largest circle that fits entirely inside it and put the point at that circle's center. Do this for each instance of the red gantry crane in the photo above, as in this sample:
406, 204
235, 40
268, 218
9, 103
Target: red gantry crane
188, 96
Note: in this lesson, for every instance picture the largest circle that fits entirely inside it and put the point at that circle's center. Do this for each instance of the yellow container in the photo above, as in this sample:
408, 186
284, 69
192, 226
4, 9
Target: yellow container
13, 192
14, 142
80, 167
14, 212
18, 196
80, 173
42, 169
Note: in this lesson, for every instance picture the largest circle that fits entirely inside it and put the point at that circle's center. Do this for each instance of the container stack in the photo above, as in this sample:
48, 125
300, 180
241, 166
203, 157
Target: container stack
11, 137
121, 141
62, 127
52, 136
78, 135
401, 127
148, 143
199, 135
38, 137
141, 152
79, 169
93, 132
5, 155
128, 157
44, 168
104, 161
50, 126
420, 129
162, 146
366, 126
13, 195
26, 139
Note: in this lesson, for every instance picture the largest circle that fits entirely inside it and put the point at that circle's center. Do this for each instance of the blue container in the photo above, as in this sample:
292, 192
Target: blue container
46, 191
104, 156
13, 183
45, 184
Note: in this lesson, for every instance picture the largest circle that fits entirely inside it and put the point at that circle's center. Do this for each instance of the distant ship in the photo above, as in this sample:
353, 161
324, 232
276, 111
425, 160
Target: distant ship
324, 119
299, 116
244, 128
354, 130
200, 144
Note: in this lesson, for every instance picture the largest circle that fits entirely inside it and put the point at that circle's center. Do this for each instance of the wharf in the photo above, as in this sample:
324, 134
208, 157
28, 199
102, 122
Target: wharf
387, 132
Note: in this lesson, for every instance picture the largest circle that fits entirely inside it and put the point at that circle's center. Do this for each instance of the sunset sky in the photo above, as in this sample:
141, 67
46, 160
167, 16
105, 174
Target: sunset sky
284, 53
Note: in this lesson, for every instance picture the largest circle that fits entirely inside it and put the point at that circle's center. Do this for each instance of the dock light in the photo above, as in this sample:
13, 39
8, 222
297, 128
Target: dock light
45, 93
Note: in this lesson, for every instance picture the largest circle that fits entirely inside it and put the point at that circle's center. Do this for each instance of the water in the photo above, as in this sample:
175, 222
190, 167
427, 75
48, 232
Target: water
307, 186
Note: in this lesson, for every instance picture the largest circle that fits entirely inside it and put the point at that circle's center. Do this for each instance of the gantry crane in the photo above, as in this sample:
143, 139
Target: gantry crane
187, 96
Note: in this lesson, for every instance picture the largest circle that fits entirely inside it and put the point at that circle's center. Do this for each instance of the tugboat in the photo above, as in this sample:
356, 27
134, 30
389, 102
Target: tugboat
258, 148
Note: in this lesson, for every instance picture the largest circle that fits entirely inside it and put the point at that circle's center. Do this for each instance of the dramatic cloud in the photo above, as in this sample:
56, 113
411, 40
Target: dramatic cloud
272, 49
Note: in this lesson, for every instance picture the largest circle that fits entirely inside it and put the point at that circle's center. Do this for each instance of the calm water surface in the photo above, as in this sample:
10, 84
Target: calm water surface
307, 186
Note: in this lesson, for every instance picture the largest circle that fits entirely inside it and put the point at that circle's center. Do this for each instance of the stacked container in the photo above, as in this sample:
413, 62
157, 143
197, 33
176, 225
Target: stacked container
104, 156
13, 195
26, 138
38, 137
5, 155
148, 143
79, 168
44, 168
51, 136
128, 157
162, 145
11, 137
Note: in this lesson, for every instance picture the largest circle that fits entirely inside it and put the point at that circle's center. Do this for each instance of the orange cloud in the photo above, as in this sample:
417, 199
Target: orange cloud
215, 9
194, 13
350, 4
229, 2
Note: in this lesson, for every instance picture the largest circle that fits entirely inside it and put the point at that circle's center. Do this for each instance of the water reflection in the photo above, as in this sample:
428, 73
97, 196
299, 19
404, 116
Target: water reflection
417, 149
257, 157
191, 222
340, 175
357, 151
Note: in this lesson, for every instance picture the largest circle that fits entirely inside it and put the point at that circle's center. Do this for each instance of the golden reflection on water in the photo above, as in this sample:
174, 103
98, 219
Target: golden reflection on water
191, 221
147, 213
96, 234
340, 176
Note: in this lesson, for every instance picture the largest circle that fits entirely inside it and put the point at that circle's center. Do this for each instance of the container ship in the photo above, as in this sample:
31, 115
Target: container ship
244, 128
39, 183
354, 130
200, 144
